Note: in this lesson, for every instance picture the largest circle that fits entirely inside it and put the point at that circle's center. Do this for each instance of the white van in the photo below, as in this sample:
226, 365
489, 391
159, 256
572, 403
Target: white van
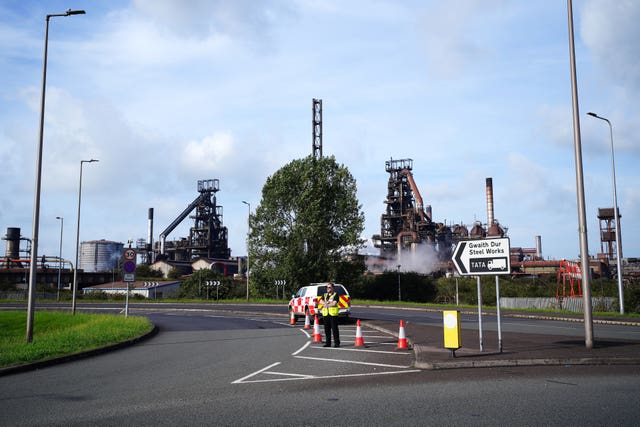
305, 301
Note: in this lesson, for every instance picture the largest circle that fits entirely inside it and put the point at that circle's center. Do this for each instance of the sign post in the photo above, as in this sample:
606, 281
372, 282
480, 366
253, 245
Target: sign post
215, 283
280, 283
484, 257
128, 273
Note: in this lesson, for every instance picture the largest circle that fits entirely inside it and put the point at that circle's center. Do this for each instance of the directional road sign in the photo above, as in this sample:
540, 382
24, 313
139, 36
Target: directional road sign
482, 257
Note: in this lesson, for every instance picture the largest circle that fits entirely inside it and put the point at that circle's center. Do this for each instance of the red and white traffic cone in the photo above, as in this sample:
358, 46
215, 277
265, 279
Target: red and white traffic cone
292, 320
402, 338
307, 325
359, 340
316, 330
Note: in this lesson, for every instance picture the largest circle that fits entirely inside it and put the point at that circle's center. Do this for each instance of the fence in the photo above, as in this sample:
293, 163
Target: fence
574, 304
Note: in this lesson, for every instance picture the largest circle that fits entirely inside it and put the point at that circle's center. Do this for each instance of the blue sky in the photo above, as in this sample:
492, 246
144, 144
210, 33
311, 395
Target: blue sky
166, 92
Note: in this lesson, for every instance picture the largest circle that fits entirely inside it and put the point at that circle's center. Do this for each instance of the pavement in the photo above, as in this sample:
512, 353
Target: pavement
518, 349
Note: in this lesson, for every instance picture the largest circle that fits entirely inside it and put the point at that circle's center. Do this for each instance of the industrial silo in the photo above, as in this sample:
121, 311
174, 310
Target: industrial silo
100, 255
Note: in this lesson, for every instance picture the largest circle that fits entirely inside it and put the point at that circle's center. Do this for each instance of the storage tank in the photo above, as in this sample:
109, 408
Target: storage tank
100, 255
13, 243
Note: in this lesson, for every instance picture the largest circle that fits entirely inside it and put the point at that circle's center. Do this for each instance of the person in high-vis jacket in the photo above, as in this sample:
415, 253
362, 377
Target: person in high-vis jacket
330, 316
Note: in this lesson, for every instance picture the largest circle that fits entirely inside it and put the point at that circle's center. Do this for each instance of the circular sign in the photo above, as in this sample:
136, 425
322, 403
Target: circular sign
129, 267
450, 320
129, 254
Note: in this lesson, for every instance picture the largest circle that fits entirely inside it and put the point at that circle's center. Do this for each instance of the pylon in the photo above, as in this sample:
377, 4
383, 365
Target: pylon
316, 330
402, 339
359, 340
306, 321
292, 320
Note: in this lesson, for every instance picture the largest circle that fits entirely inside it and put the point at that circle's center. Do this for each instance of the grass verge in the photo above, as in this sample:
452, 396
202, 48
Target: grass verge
58, 334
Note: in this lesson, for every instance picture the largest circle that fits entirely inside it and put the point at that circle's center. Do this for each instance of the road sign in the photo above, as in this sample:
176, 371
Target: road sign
129, 254
129, 265
482, 257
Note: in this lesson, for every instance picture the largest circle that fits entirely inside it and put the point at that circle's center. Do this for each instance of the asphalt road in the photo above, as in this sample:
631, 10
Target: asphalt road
224, 367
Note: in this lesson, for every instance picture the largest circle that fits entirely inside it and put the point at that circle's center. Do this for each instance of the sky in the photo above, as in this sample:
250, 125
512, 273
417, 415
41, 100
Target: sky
166, 92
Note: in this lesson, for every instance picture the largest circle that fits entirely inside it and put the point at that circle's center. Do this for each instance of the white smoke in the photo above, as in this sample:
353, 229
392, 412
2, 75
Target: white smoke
420, 259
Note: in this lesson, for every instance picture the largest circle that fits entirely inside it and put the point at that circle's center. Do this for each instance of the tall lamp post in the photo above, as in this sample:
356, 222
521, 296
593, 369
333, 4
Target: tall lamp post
582, 216
75, 270
616, 215
60, 254
248, 233
36, 204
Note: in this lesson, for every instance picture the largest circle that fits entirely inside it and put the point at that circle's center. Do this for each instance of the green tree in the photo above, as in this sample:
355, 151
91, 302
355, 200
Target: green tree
307, 220
195, 286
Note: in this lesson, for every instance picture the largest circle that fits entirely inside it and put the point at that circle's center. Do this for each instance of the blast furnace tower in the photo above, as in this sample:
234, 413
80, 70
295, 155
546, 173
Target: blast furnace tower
406, 222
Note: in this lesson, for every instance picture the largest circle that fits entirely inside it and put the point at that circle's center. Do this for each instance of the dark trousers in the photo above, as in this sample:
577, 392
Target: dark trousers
331, 325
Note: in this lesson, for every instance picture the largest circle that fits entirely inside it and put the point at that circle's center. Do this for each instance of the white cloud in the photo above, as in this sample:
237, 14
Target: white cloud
165, 93
453, 34
611, 32
211, 153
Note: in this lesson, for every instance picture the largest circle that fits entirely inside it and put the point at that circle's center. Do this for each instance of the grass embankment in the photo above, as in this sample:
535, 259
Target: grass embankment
57, 334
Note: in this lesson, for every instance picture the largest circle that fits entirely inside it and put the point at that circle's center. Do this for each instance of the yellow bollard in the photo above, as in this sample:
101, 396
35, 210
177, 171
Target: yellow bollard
451, 322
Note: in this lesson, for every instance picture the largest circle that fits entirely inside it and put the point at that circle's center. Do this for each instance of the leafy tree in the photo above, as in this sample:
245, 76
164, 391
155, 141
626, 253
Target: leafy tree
195, 285
143, 271
307, 220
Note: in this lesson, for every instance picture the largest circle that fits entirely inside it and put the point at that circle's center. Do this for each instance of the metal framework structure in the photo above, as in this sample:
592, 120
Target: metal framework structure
405, 222
608, 233
208, 238
316, 141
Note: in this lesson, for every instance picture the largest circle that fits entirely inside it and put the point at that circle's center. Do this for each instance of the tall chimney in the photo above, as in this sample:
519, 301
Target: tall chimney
489, 202
539, 247
150, 238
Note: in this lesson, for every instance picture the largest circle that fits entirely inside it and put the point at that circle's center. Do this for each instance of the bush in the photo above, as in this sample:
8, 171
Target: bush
414, 287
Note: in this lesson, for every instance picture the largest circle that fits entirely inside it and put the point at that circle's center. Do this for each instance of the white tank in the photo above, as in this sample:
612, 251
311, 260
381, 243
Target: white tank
100, 255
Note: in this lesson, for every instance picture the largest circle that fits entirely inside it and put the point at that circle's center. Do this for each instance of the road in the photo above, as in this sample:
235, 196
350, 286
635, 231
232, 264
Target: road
226, 367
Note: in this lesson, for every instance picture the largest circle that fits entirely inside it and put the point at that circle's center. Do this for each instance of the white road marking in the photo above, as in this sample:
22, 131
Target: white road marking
327, 376
382, 365
256, 373
364, 350
289, 374
301, 348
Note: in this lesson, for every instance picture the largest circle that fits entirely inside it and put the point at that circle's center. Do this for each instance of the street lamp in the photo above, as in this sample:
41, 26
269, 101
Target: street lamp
60, 254
75, 270
248, 233
36, 204
616, 215
399, 299
582, 216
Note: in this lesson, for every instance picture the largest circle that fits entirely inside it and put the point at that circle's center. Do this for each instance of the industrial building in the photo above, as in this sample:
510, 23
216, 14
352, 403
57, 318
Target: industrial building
407, 222
99, 255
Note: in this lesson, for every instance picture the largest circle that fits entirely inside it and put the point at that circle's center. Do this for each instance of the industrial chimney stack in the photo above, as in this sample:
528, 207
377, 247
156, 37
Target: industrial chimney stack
150, 259
490, 219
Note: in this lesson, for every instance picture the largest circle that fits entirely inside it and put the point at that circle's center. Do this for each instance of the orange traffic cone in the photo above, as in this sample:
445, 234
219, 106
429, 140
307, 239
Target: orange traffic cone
292, 320
402, 339
359, 340
306, 321
316, 330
